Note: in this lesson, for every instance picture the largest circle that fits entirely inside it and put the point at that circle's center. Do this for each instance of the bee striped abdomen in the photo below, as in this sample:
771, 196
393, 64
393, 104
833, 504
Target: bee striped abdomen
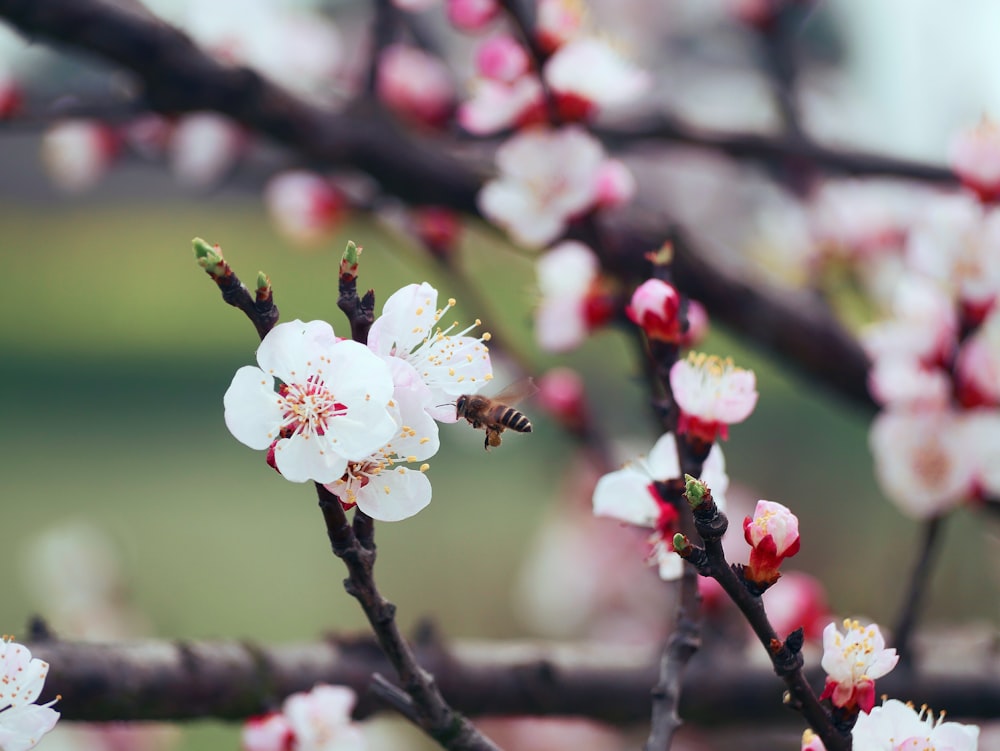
514, 420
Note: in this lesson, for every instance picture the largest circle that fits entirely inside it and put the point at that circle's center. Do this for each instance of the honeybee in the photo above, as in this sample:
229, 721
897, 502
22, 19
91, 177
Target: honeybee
495, 413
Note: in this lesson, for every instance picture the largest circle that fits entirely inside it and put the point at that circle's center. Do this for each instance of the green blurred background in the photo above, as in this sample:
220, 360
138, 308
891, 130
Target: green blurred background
116, 352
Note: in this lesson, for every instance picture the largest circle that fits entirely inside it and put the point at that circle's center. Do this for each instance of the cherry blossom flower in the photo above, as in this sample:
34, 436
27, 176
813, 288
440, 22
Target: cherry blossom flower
547, 177
924, 461
852, 661
574, 301
954, 243
977, 367
77, 153
616, 184
496, 105
317, 720
415, 85
331, 404
905, 382
923, 327
22, 721
974, 156
451, 364
773, 536
203, 147
712, 394
304, 206
558, 21
630, 495
382, 485
589, 73
858, 219
895, 726
655, 307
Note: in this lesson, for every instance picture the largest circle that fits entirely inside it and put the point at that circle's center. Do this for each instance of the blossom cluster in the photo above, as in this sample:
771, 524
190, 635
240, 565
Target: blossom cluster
360, 420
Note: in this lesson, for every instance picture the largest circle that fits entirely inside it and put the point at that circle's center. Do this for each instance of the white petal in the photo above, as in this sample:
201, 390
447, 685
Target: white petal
252, 413
625, 495
395, 494
559, 324
22, 727
663, 463
407, 317
670, 565
302, 458
292, 351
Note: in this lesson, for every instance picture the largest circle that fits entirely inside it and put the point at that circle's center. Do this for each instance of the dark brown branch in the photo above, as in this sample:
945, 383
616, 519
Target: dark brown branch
769, 149
426, 706
233, 680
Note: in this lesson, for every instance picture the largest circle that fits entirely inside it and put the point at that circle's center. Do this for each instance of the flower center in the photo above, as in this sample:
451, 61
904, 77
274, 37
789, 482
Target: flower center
307, 408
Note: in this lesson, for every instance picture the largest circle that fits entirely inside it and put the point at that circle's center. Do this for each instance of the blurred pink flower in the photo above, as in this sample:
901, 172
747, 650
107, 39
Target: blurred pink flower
415, 85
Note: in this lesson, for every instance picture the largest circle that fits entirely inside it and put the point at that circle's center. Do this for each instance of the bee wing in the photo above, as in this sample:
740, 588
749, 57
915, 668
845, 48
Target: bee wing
516, 392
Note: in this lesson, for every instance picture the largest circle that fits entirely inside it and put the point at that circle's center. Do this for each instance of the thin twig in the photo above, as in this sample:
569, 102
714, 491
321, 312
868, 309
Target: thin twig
917, 588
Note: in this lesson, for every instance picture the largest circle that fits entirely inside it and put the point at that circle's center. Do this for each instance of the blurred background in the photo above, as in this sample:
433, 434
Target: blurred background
117, 350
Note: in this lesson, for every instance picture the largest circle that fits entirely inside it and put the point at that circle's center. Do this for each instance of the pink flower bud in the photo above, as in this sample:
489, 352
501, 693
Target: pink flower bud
438, 228
811, 741
502, 58
773, 535
304, 206
561, 394
415, 85
471, 15
975, 157
655, 306
697, 325
78, 153
798, 601
615, 184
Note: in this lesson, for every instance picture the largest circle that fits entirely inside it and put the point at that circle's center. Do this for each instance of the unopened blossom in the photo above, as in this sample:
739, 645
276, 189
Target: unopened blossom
561, 394
448, 361
974, 156
655, 307
712, 394
78, 153
502, 58
697, 325
304, 206
471, 15
574, 298
895, 726
317, 720
22, 721
415, 85
616, 184
811, 741
924, 460
390, 484
630, 495
547, 177
203, 147
773, 536
852, 661
315, 402
588, 76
